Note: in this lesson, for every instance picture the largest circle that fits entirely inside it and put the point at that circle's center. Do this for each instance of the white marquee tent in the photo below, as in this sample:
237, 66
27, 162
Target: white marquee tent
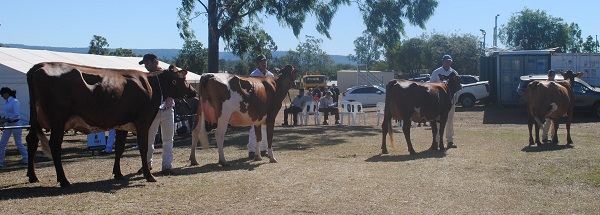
14, 64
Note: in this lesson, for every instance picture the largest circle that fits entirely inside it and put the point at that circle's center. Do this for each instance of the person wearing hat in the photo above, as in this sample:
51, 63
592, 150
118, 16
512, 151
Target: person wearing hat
11, 118
296, 107
445, 70
261, 70
327, 106
548, 122
165, 119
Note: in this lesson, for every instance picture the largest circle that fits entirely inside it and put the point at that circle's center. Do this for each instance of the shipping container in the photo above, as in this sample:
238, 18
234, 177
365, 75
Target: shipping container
588, 63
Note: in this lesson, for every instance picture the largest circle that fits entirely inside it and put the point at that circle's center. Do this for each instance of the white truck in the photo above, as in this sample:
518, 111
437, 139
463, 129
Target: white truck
473, 90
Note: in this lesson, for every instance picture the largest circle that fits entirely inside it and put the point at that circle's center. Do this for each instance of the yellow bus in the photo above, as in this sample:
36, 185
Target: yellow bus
312, 81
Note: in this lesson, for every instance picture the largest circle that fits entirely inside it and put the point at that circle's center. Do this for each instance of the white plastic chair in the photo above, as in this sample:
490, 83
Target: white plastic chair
312, 108
380, 110
357, 109
345, 105
301, 115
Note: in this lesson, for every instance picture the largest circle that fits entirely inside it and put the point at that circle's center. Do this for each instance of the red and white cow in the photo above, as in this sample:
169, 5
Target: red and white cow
240, 101
89, 99
432, 101
551, 100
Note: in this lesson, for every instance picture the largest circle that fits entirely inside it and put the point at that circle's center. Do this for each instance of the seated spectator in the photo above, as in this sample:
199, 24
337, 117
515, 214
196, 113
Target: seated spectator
327, 106
296, 107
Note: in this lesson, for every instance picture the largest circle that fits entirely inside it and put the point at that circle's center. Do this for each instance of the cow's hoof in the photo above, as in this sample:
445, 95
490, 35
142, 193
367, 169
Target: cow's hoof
151, 179
194, 163
257, 158
272, 160
118, 176
33, 180
224, 164
412, 152
65, 183
433, 148
384, 151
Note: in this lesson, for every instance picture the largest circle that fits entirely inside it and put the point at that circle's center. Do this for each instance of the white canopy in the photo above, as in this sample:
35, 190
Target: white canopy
14, 64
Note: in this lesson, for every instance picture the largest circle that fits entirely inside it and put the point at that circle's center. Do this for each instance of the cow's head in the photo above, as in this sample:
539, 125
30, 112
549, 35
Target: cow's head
570, 75
452, 82
174, 85
287, 76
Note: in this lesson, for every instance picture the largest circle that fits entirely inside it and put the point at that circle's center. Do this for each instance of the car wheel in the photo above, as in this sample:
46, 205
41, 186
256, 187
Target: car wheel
596, 110
467, 101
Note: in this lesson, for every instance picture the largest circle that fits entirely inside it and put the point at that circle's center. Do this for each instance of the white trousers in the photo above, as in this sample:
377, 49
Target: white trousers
546, 128
449, 133
16, 133
252, 139
164, 119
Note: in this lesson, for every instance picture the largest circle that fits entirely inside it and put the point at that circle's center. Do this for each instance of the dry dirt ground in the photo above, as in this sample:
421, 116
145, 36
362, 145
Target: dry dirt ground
332, 170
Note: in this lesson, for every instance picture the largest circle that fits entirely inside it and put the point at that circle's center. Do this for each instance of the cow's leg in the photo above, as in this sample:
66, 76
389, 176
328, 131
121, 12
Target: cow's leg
259, 137
530, 122
555, 131
568, 126
406, 130
195, 139
441, 132
220, 136
56, 138
434, 132
119, 149
537, 133
142, 141
32, 145
270, 129
385, 126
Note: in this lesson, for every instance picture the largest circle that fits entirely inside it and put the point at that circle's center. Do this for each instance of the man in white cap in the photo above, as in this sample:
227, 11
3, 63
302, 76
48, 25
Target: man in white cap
445, 70
261, 70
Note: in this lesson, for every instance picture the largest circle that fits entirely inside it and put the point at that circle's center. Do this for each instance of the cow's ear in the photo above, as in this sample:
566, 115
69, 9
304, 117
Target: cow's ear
442, 77
579, 74
184, 72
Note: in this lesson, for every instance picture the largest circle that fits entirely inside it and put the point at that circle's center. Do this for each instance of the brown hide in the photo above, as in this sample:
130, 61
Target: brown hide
89, 99
240, 101
434, 101
550, 100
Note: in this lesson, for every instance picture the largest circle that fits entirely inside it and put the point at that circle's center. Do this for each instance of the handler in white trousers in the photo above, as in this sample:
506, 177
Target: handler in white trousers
445, 70
261, 70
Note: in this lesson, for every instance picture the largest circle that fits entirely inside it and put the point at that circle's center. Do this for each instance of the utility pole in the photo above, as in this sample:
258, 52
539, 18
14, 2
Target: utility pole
496, 31
483, 46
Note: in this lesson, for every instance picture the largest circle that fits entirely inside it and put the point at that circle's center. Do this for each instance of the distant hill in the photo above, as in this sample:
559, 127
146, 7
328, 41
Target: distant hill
163, 53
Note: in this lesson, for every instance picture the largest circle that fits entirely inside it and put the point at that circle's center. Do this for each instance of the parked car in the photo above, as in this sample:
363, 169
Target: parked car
468, 79
587, 97
473, 90
368, 95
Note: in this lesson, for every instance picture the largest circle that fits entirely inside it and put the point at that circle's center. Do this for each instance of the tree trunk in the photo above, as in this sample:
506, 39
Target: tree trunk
213, 37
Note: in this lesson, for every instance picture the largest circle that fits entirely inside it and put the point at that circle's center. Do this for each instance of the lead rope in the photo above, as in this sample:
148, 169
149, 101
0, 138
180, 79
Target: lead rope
161, 94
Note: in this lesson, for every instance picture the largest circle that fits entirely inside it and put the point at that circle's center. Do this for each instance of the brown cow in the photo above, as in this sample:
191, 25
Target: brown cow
240, 101
89, 99
551, 100
431, 100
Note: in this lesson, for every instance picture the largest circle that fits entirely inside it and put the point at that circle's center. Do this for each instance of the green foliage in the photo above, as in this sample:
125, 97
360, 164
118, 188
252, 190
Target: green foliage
385, 20
590, 45
98, 46
123, 53
237, 21
192, 57
536, 30
367, 49
312, 59
422, 55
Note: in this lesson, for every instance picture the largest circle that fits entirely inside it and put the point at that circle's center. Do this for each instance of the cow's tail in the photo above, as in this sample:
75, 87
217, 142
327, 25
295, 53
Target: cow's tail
387, 118
391, 134
33, 121
203, 134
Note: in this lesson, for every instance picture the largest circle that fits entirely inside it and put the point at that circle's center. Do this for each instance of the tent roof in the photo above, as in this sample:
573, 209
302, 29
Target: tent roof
23, 59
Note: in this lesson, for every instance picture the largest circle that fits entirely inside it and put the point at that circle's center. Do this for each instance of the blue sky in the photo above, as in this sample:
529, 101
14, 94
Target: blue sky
136, 24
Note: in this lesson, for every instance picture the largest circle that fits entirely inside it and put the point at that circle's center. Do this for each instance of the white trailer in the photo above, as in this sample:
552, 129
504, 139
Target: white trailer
588, 63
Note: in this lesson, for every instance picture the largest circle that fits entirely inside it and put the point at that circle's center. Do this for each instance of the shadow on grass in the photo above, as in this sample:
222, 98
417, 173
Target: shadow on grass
400, 158
546, 147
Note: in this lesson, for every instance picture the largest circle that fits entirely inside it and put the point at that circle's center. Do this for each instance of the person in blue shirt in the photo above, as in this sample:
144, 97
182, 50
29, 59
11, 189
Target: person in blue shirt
11, 118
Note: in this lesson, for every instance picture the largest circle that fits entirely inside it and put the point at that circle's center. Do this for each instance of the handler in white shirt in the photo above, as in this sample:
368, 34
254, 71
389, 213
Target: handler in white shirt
445, 69
261, 70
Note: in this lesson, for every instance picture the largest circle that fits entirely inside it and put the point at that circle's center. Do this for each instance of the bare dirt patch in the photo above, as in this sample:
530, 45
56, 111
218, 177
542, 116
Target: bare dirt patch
333, 170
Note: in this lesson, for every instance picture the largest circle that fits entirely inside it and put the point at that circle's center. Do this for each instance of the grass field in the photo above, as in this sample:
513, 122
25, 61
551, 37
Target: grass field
333, 170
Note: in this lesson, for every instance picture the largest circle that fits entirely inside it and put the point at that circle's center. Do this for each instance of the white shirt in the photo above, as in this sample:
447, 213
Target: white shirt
259, 73
441, 71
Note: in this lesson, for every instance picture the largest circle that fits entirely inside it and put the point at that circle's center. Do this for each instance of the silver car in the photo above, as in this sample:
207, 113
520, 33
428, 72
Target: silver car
368, 95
